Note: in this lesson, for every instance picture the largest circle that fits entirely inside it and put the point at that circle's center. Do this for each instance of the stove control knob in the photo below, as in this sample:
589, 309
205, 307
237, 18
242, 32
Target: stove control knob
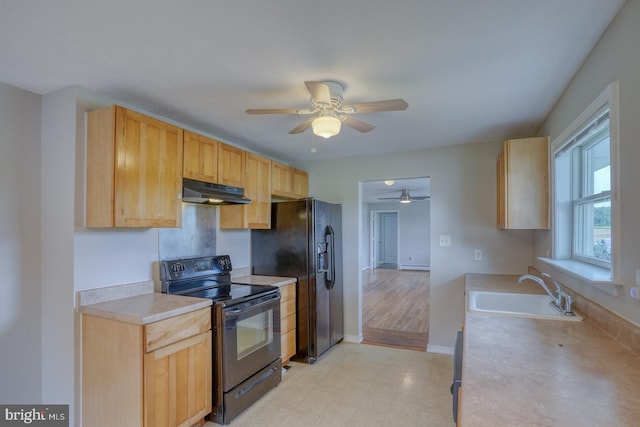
177, 268
224, 263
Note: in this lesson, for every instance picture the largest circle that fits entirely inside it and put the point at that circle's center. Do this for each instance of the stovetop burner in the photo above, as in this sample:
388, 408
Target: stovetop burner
207, 277
232, 293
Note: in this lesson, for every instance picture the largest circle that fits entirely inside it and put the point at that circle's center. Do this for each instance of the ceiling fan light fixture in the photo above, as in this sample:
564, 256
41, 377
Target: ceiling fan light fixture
326, 125
404, 197
389, 182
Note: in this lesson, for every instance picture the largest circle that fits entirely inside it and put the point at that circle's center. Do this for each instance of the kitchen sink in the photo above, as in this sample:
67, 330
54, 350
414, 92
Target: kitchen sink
534, 306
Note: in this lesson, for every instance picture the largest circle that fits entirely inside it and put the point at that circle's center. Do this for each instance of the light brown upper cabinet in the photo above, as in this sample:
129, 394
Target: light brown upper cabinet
208, 160
134, 170
257, 214
300, 187
281, 179
200, 158
231, 164
288, 182
523, 184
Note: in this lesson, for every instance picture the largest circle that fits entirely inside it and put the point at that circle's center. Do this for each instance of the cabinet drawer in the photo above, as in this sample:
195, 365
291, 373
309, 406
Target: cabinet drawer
287, 308
168, 331
288, 345
288, 292
288, 323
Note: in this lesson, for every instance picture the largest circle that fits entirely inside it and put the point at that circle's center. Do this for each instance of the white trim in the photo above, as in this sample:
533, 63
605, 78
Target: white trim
594, 276
440, 349
611, 97
356, 339
373, 232
596, 105
414, 267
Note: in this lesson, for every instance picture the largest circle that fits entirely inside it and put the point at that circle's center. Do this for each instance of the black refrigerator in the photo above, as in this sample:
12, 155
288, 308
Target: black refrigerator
305, 242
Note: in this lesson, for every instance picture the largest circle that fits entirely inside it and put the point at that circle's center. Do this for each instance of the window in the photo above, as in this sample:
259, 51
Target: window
584, 170
591, 192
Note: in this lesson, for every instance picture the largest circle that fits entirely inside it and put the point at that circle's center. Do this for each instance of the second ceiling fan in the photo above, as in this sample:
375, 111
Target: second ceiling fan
328, 113
405, 197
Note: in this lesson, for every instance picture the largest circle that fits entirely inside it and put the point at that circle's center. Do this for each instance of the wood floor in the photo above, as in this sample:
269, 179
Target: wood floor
396, 308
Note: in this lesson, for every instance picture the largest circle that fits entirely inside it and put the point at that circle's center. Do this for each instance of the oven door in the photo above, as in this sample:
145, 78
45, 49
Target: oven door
251, 338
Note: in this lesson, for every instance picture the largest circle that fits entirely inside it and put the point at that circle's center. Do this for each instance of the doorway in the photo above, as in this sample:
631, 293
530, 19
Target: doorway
396, 256
384, 245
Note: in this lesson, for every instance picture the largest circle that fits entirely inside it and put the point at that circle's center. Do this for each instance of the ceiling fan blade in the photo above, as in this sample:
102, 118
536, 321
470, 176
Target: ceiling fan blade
319, 92
273, 111
357, 124
420, 197
302, 126
388, 198
375, 106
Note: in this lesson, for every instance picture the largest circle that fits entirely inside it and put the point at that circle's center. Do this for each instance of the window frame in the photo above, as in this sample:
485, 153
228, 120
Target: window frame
563, 185
582, 192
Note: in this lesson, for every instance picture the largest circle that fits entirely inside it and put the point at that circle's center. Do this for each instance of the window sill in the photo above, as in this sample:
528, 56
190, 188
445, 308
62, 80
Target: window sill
595, 276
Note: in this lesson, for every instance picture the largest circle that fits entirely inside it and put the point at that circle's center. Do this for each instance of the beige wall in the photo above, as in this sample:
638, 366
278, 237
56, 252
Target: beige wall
20, 302
615, 57
463, 204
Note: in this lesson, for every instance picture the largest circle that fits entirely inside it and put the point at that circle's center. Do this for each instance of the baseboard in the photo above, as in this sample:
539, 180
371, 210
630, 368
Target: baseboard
353, 338
439, 349
415, 267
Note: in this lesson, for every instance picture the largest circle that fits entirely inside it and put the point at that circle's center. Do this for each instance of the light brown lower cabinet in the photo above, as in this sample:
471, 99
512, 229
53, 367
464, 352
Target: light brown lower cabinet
288, 322
153, 375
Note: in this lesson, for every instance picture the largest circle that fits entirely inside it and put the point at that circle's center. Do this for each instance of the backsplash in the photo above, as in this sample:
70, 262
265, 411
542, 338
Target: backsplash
196, 237
623, 331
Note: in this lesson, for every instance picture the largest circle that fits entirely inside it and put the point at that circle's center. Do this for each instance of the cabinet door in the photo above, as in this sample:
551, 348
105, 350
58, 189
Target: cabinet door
258, 189
288, 322
148, 178
501, 174
112, 363
231, 164
300, 187
525, 187
257, 214
177, 383
281, 180
200, 158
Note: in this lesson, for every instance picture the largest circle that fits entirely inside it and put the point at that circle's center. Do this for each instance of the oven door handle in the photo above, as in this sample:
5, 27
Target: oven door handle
253, 304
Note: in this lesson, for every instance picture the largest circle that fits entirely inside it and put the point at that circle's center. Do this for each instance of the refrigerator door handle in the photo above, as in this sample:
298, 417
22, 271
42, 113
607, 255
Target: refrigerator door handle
330, 274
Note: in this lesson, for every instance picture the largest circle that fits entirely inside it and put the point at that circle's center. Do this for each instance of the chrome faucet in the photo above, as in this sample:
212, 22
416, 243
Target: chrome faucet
561, 300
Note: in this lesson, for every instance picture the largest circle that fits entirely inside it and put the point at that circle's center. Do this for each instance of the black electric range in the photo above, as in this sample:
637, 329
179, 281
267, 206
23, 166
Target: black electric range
245, 326
208, 277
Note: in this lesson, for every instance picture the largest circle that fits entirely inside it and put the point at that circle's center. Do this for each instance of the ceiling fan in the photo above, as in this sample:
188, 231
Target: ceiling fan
329, 113
405, 197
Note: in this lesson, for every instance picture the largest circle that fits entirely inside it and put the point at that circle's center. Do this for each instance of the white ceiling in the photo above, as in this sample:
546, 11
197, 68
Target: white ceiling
471, 71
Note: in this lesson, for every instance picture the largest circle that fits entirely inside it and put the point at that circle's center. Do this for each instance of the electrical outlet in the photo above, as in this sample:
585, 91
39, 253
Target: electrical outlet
477, 254
445, 240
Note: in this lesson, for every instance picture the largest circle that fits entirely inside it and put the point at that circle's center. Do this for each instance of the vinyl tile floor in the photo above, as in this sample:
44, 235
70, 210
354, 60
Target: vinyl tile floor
358, 385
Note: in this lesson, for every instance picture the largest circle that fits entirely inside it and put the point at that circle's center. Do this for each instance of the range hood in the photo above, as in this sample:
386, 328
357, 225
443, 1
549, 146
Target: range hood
211, 194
